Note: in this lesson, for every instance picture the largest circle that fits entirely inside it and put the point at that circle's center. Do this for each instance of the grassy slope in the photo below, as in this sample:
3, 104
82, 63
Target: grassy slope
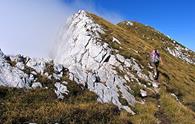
42, 106
176, 76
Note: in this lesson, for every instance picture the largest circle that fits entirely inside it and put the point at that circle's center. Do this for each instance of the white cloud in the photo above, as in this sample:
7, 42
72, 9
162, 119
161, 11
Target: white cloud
30, 27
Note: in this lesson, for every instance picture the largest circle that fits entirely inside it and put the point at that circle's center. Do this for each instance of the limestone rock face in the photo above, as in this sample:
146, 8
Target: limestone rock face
91, 61
12, 76
25, 72
61, 90
181, 53
36, 85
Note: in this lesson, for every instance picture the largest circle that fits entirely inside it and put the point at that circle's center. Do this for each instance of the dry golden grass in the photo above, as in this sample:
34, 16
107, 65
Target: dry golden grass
41, 106
145, 114
178, 113
176, 76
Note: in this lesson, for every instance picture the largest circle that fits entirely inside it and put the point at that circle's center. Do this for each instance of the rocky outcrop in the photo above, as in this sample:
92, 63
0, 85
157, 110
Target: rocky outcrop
12, 76
24, 72
61, 89
181, 53
92, 62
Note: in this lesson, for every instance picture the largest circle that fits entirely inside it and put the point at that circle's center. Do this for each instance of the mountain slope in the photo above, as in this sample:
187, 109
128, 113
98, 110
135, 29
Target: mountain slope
97, 60
177, 73
131, 46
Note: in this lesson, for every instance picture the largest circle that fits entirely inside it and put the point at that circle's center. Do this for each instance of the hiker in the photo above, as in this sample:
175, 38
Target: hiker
155, 61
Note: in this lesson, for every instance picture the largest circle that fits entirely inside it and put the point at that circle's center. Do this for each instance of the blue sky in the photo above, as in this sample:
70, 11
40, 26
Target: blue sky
30, 27
175, 18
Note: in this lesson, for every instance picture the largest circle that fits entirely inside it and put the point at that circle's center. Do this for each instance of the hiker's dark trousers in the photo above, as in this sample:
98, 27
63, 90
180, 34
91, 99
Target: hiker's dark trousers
156, 72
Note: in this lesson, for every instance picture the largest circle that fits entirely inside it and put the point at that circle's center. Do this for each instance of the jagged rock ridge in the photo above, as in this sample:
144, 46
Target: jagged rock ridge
91, 61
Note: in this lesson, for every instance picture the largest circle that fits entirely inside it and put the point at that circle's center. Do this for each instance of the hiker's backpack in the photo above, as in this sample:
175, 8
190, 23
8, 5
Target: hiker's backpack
155, 56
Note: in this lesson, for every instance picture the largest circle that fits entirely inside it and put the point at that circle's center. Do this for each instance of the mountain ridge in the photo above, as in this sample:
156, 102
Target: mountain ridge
112, 62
